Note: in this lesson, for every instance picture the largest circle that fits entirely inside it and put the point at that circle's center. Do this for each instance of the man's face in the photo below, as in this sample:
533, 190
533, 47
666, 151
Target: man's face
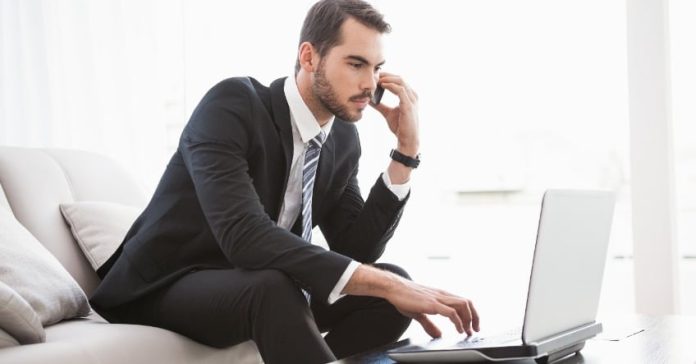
347, 75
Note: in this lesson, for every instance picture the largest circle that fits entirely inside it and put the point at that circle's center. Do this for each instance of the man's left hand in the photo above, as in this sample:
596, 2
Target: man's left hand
403, 118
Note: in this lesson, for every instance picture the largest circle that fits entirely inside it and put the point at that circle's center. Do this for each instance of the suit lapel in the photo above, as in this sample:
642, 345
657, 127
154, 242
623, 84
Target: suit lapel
281, 118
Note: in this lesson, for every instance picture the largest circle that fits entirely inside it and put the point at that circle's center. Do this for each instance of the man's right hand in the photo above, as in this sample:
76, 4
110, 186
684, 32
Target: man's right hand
414, 300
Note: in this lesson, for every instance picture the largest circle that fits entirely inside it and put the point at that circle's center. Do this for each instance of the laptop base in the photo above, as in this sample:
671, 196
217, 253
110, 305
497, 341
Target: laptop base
543, 352
558, 355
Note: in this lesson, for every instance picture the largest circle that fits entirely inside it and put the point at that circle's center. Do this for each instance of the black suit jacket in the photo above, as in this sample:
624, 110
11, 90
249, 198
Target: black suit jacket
218, 201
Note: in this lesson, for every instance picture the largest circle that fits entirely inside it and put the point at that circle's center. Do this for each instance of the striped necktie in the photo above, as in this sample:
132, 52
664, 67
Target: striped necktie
309, 171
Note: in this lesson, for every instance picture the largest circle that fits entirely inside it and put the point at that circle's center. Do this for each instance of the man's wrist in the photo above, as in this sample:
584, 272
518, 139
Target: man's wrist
370, 281
339, 288
406, 160
410, 150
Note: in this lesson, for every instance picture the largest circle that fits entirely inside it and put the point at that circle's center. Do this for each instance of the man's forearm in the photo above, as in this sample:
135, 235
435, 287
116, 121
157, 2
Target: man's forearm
370, 281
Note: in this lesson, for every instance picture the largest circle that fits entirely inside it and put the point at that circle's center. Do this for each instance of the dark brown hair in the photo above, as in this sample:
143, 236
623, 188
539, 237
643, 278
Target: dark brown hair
322, 25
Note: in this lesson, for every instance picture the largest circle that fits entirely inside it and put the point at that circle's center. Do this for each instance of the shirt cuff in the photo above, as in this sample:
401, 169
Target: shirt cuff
400, 191
341, 284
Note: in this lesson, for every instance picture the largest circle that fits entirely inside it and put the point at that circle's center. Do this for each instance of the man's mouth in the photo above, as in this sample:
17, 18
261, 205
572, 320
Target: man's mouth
361, 100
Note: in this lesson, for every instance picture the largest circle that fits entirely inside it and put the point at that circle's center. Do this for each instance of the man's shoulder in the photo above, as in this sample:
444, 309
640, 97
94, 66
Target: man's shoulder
344, 128
236, 102
243, 93
240, 86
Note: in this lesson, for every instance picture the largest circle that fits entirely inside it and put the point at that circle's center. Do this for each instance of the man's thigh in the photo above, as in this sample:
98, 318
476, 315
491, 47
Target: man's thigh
214, 307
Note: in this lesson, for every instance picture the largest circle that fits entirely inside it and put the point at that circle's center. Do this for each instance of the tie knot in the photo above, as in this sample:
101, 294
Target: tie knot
318, 140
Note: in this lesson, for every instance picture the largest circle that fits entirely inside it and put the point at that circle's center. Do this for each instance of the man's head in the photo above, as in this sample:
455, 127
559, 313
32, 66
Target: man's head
340, 52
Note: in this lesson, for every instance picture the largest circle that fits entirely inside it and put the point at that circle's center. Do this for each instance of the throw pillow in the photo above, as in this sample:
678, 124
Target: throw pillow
36, 275
18, 319
99, 227
6, 340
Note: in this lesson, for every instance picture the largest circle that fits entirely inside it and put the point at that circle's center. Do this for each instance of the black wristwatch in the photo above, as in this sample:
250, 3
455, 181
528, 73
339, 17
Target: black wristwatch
404, 159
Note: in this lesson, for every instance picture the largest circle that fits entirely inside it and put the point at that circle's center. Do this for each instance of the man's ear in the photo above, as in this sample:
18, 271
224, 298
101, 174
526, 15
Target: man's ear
308, 56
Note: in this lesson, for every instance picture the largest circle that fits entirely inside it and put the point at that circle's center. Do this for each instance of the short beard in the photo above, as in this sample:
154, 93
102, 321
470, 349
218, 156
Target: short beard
324, 92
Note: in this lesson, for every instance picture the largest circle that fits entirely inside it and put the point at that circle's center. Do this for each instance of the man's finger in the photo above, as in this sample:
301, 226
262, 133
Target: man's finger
405, 102
475, 317
396, 89
429, 327
453, 315
383, 74
392, 79
466, 315
463, 310
412, 96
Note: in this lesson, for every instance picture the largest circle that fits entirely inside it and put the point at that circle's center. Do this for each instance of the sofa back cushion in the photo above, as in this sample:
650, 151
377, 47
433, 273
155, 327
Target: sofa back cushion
36, 181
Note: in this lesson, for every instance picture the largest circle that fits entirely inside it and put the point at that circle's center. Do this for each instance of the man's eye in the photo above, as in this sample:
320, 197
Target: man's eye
356, 65
378, 68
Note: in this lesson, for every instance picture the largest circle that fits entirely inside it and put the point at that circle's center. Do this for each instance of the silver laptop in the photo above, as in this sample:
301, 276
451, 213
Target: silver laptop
564, 288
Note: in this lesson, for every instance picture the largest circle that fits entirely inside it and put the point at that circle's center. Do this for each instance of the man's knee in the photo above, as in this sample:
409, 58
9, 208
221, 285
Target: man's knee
394, 269
273, 284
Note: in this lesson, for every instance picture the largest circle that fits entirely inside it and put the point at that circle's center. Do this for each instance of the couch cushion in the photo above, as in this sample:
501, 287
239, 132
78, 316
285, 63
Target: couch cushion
27, 267
99, 227
3, 199
6, 340
92, 340
18, 319
36, 181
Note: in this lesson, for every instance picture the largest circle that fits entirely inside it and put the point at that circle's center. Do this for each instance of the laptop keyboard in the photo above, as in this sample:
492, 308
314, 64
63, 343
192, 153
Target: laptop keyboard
492, 340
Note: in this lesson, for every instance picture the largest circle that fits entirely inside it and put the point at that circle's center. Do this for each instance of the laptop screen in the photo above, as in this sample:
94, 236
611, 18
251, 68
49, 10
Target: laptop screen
569, 260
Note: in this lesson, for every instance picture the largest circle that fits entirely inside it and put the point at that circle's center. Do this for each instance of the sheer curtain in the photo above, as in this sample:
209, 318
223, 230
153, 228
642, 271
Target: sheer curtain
515, 97
95, 76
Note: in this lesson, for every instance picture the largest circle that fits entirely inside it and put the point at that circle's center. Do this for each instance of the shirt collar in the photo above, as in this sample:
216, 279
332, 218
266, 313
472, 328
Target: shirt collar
300, 114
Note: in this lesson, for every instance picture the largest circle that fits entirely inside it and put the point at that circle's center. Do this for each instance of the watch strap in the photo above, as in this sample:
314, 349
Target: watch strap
404, 159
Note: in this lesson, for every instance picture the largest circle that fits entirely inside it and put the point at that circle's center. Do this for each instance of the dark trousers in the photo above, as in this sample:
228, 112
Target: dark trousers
221, 308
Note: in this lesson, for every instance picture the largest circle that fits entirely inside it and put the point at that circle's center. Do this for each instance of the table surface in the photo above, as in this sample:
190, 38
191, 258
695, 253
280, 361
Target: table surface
663, 339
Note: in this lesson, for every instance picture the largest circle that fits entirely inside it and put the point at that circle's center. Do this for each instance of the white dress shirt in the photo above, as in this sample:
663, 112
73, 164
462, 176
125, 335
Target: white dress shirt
304, 128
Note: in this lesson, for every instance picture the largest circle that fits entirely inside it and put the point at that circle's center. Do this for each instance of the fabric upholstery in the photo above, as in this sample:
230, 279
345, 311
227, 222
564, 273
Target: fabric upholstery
36, 181
6, 340
18, 319
98, 227
36, 275
3, 199
92, 340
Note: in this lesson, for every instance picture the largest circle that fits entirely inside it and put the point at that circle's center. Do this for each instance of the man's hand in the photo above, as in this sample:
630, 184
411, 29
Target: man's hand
415, 300
403, 118
402, 121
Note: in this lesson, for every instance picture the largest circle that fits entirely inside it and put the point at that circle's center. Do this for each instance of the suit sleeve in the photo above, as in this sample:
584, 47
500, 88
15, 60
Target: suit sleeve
214, 146
360, 229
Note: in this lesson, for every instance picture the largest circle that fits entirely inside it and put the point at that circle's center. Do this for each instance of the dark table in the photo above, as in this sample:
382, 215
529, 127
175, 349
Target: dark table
663, 339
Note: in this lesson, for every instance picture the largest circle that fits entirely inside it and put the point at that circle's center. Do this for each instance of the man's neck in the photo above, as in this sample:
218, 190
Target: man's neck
304, 86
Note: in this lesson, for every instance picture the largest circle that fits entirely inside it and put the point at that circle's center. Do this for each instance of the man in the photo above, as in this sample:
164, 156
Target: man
223, 251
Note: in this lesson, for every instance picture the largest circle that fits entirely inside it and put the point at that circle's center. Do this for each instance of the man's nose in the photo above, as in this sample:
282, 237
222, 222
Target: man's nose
370, 82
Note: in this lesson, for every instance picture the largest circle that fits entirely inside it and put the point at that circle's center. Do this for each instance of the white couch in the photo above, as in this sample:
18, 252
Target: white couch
35, 182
